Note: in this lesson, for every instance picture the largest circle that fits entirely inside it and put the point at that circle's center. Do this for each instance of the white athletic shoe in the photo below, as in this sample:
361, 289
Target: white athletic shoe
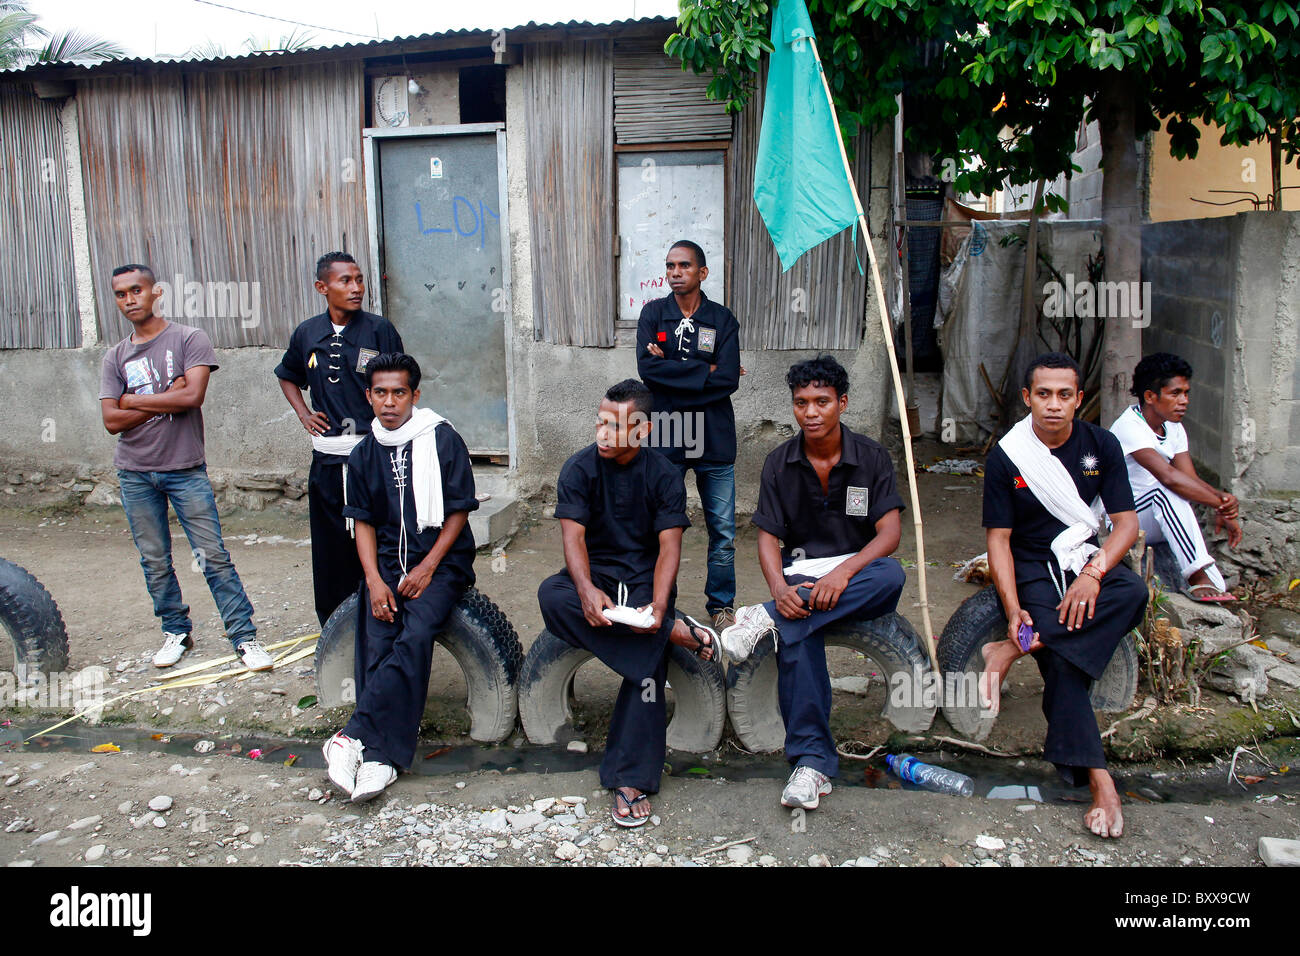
255, 656
372, 779
753, 623
805, 788
173, 649
342, 758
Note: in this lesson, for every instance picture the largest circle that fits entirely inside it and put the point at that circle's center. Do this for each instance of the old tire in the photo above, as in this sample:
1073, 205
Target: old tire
478, 636
546, 689
980, 620
29, 614
889, 640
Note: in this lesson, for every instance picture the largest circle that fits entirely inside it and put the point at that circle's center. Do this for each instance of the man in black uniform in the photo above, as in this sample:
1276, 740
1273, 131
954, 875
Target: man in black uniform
828, 521
1045, 486
622, 508
688, 352
328, 354
410, 489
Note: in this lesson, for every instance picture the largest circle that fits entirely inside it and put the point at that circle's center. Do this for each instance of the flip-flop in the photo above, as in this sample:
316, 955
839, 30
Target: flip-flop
692, 626
1219, 599
629, 820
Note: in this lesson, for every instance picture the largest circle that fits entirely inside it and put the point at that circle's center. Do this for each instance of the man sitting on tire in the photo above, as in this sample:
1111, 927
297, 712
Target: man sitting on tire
622, 508
1045, 486
410, 489
828, 520
1163, 478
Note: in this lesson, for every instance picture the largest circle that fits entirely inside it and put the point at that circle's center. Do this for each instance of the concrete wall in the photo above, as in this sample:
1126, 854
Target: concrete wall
1176, 182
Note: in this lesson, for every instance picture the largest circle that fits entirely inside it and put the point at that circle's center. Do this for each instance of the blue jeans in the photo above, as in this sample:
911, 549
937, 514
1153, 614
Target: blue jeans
717, 487
145, 495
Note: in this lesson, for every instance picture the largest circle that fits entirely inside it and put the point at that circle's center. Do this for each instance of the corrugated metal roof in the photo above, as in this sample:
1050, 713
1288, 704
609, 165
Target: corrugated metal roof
375, 47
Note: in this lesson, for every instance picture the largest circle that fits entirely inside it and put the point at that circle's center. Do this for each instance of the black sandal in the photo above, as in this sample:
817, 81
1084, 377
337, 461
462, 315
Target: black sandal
629, 820
692, 626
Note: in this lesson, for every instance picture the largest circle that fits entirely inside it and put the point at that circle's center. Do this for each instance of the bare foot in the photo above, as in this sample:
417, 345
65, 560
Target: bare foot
998, 656
700, 643
628, 805
1104, 817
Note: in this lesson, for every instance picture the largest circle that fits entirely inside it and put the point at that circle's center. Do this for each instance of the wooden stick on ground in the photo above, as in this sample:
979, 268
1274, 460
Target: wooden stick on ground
927, 627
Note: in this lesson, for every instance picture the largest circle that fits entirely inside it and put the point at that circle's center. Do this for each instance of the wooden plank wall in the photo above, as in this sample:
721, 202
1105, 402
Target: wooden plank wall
655, 101
38, 294
568, 89
226, 177
825, 281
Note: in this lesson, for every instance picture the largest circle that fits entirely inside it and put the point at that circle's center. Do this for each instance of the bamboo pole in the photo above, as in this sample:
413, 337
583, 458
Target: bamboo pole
893, 367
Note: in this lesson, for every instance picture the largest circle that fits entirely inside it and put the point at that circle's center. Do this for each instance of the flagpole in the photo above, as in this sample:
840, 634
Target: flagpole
893, 367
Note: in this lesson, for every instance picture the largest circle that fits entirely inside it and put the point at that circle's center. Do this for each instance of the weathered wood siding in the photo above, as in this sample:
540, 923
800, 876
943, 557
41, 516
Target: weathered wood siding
821, 302
38, 295
568, 89
223, 177
655, 101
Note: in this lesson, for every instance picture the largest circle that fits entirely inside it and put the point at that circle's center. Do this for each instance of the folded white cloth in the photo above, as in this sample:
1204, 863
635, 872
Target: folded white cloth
426, 472
816, 567
1055, 490
335, 444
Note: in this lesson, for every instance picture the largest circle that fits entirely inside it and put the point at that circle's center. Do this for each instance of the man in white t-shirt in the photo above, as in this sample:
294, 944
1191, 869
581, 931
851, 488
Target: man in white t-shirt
1164, 480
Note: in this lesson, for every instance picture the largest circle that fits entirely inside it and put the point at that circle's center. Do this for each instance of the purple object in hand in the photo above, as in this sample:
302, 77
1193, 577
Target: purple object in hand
1025, 636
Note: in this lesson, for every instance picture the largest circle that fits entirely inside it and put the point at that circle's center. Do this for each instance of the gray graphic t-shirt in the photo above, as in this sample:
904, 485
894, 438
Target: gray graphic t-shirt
166, 442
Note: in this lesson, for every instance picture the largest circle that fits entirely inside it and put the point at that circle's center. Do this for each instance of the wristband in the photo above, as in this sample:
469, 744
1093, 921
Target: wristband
1092, 567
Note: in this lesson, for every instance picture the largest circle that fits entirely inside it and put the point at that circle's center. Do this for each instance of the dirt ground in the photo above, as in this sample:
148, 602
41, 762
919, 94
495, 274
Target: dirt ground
87, 561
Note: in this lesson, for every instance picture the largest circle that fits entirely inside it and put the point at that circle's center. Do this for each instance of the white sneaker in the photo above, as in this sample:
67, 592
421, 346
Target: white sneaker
372, 779
753, 623
173, 649
805, 788
342, 758
255, 656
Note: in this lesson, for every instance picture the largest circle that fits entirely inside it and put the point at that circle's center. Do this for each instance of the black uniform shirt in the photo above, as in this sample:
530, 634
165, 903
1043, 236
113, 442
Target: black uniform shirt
681, 380
332, 365
623, 508
378, 474
861, 489
1095, 461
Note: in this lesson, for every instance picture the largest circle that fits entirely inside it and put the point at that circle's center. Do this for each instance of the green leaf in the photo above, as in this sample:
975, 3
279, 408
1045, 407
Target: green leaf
308, 701
699, 771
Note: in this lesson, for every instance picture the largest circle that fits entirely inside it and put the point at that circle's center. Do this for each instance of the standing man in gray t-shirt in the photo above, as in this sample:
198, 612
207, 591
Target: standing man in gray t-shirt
151, 395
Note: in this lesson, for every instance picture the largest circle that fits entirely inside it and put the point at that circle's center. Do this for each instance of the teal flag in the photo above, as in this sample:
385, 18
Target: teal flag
800, 185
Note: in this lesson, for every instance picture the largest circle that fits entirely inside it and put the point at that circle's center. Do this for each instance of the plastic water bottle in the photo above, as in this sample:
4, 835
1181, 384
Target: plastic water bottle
938, 779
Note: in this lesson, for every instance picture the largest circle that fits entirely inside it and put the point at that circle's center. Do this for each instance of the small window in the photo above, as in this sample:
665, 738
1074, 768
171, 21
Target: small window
483, 94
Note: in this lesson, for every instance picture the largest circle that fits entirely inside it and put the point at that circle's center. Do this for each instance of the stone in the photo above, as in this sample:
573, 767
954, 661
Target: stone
11, 780
204, 746
577, 747
239, 830
541, 806
495, 821
573, 801
867, 861
160, 821
84, 822
161, 803
46, 837
853, 685
652, 859
607, 844
566, 851
1025, 808
984, 841
256, 838
124, 806
95, 852
819, 859
1288, 674
766, 860
948, 861
314, 820
314, 794
525, 821
1275, 851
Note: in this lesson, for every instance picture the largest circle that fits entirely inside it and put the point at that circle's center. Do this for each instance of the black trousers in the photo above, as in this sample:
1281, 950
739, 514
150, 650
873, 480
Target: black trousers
634, 752
335, 568
1072, 660
393, 664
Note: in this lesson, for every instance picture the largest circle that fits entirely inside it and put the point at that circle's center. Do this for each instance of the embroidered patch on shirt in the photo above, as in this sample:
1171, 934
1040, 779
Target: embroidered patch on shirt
311, 362
1018, 482
707, 338
855, 502
364, 356
1088, 464
663, 336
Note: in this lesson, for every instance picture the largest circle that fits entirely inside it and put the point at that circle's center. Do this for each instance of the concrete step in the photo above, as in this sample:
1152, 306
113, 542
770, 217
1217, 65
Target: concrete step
490, 479
495, 520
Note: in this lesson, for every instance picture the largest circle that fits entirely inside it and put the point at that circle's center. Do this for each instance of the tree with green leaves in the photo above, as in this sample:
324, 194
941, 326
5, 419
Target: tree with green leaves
974, 69
23, 41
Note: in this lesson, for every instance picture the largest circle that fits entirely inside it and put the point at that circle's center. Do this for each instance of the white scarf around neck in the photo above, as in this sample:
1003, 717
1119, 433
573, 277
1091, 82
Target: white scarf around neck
1055, 490
426, 472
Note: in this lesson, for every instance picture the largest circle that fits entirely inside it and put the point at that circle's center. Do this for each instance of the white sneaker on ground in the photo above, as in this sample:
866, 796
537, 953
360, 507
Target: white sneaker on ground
805, 788
342, 758
753, 623
255, 656
173, 649
372, 779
